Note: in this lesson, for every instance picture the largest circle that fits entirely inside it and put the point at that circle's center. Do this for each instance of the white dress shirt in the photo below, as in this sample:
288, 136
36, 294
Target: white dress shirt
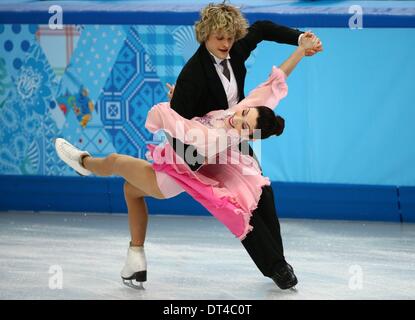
230, 86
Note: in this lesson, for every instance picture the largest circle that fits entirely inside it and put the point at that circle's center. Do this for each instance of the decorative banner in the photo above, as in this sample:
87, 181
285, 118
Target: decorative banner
58, 45
93, 59
15, 43
131, 90
160, 44
27, 128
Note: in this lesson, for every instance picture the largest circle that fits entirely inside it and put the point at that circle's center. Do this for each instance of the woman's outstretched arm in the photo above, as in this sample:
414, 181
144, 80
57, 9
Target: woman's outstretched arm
307, 41
270, 92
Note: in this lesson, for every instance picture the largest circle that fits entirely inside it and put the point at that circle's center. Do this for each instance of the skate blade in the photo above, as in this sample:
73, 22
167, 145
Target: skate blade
131, 284
293, 289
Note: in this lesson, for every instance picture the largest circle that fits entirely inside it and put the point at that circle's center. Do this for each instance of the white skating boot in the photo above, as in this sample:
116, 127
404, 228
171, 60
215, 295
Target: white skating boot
72, 156
135, 268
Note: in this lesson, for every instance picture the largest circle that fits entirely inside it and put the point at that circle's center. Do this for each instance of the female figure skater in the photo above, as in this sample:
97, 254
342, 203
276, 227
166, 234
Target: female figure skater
230, 189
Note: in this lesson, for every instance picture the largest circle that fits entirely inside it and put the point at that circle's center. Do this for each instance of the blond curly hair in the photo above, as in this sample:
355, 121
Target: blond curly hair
223, 18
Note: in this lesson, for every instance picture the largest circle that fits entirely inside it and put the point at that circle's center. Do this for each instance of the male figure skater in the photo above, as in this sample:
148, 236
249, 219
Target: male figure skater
213, 79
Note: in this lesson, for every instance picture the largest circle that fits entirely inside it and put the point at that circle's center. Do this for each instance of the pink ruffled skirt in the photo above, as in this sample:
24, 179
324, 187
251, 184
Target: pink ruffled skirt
230, 192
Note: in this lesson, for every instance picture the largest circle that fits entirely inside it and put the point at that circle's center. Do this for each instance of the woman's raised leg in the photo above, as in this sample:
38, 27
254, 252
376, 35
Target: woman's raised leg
140, 181
138, 172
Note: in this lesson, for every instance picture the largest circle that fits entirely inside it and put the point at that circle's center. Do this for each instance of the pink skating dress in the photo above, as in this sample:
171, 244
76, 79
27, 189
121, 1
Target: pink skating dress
229, 186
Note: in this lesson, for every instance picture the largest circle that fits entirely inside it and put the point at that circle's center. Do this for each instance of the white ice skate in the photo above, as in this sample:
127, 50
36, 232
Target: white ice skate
71, 156
135, 268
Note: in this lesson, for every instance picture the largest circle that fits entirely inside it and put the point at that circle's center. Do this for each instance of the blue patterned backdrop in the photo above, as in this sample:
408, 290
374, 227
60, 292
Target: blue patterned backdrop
349, 112
90, 84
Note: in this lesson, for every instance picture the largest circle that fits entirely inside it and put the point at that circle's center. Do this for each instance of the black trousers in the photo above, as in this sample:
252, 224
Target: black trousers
264, 243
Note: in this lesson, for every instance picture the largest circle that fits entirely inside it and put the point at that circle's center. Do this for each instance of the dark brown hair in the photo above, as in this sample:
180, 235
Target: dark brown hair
269, 123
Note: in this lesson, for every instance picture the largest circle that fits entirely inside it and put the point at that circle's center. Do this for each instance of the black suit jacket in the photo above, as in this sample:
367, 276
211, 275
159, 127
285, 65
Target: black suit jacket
199, 89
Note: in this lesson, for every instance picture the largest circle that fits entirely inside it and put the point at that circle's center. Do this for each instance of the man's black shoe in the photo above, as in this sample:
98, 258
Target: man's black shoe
285, 278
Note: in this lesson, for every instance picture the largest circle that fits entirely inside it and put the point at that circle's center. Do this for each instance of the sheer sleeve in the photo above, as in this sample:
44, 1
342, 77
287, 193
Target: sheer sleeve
268, 93
208, 142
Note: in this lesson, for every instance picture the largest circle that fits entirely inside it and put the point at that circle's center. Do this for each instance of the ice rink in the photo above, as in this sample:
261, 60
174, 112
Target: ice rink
197, 258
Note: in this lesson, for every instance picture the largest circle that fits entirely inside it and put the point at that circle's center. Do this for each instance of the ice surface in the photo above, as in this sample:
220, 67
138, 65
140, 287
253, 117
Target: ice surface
197, 258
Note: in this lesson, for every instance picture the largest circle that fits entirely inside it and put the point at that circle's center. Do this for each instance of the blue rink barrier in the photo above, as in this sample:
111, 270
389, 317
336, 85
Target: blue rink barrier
337, 201
293, 200
376, 14
407, 203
